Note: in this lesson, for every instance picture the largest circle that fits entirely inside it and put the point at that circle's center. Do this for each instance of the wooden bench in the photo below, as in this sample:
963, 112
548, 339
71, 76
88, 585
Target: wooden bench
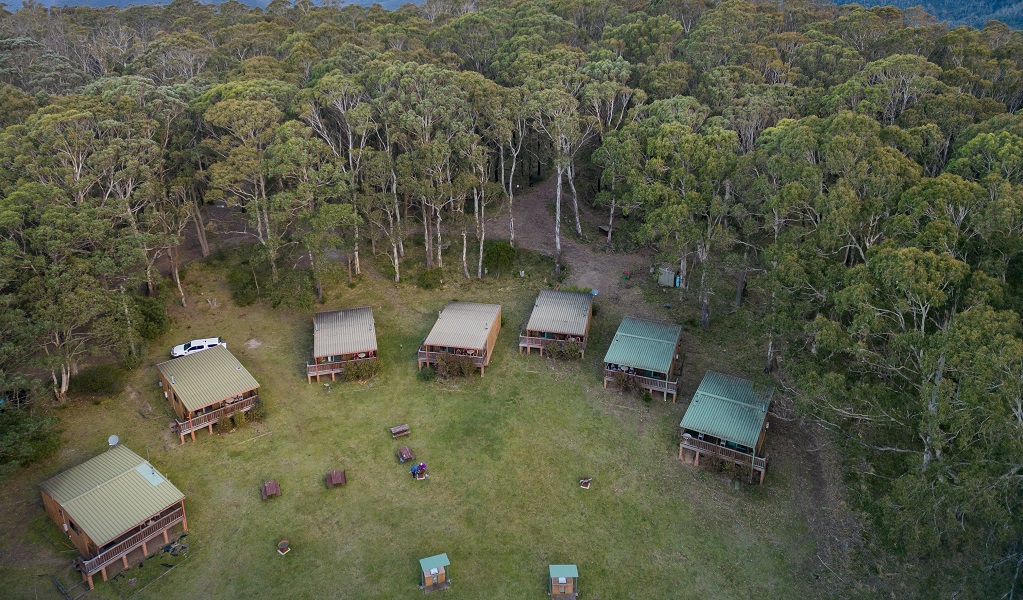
399, 430
336, 477
270, 488
405, 454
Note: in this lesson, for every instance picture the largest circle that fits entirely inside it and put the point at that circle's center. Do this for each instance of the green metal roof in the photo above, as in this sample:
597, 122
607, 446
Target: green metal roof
564, 571
344, 332
111, 493
434, 562
561, 312
207, 377
729, 408
464, 325
643, 344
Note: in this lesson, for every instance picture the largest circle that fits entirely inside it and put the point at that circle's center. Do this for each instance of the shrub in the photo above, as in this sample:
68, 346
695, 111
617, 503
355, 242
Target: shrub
241, 280
647, 396
454, 365
427, 374
25, 437
624, 382
360, 370
430, 279
225, 424
498, 255
101, 379
154, 321
239, 418
562, 350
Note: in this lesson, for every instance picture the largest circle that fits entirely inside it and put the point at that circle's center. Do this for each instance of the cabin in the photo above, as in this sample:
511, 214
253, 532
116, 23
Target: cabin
341, 338
563, 584
463, 329
204, 388
112, 508
727, 419
433, 573
645, 353
558, 317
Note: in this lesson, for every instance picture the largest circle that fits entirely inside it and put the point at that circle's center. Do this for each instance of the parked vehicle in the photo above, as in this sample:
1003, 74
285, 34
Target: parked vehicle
196, 346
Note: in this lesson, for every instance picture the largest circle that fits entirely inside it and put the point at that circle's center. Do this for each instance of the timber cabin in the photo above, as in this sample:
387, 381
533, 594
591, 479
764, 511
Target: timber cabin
204, 388
433, 573
110, 506
727, 418
463, 329
341, 338
558, 317
646, 352
564, 582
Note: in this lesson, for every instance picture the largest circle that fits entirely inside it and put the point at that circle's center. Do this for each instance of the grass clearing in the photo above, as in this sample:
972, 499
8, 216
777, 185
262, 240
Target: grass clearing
505, 454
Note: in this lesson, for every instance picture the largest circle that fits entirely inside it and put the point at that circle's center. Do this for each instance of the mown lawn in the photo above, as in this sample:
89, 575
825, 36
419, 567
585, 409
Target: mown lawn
505, 455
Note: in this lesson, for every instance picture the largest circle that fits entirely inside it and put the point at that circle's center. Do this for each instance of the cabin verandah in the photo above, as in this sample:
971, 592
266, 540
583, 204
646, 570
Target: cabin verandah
463, 329
113, 508
647, 353
341, 338
558, 318
727, 419
205, 388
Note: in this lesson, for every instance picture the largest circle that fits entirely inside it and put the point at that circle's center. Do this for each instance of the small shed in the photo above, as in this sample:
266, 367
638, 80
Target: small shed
558, 317
341, 338
564, 582
727, 418
205, 387
646, 353
110, 506
667, 276
467, 329
434, 574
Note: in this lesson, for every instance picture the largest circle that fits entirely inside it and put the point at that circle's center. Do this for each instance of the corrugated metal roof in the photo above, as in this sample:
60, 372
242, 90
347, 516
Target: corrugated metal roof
643, 344
207, 377
463, 325
344, 332
560, 312
111, 493
729, 408
434, 562
564, 571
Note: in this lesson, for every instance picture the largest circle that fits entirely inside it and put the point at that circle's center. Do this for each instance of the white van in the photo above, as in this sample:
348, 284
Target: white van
195, 346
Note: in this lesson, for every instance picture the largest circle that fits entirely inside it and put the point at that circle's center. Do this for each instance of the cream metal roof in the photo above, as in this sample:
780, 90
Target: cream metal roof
344, 332
207, 377
464, 325
561, 312
111, 493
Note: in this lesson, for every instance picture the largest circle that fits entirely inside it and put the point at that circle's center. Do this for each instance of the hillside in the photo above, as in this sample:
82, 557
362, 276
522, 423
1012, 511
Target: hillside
974, 13
387, 4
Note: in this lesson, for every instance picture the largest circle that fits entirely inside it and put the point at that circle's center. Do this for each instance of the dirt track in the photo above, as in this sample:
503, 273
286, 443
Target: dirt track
589, 264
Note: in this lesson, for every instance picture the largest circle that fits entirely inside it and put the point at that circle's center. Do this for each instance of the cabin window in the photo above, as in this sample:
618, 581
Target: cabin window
73, 526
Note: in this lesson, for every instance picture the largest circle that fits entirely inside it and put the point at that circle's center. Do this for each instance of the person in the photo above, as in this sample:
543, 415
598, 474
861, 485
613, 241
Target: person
414, 470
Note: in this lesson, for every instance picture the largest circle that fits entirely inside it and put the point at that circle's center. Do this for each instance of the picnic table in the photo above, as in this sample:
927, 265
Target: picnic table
399, 430
336, 477
405, 454
270, 488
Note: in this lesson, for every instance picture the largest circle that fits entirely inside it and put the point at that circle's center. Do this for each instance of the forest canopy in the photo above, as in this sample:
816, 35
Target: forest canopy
863, 167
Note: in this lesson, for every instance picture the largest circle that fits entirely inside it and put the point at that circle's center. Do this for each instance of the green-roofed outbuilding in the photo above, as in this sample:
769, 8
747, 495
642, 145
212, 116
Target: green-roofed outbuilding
646, 353
111, 505
564, 582
434, 574
342, 338
558, 318
727, 418
206, 387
